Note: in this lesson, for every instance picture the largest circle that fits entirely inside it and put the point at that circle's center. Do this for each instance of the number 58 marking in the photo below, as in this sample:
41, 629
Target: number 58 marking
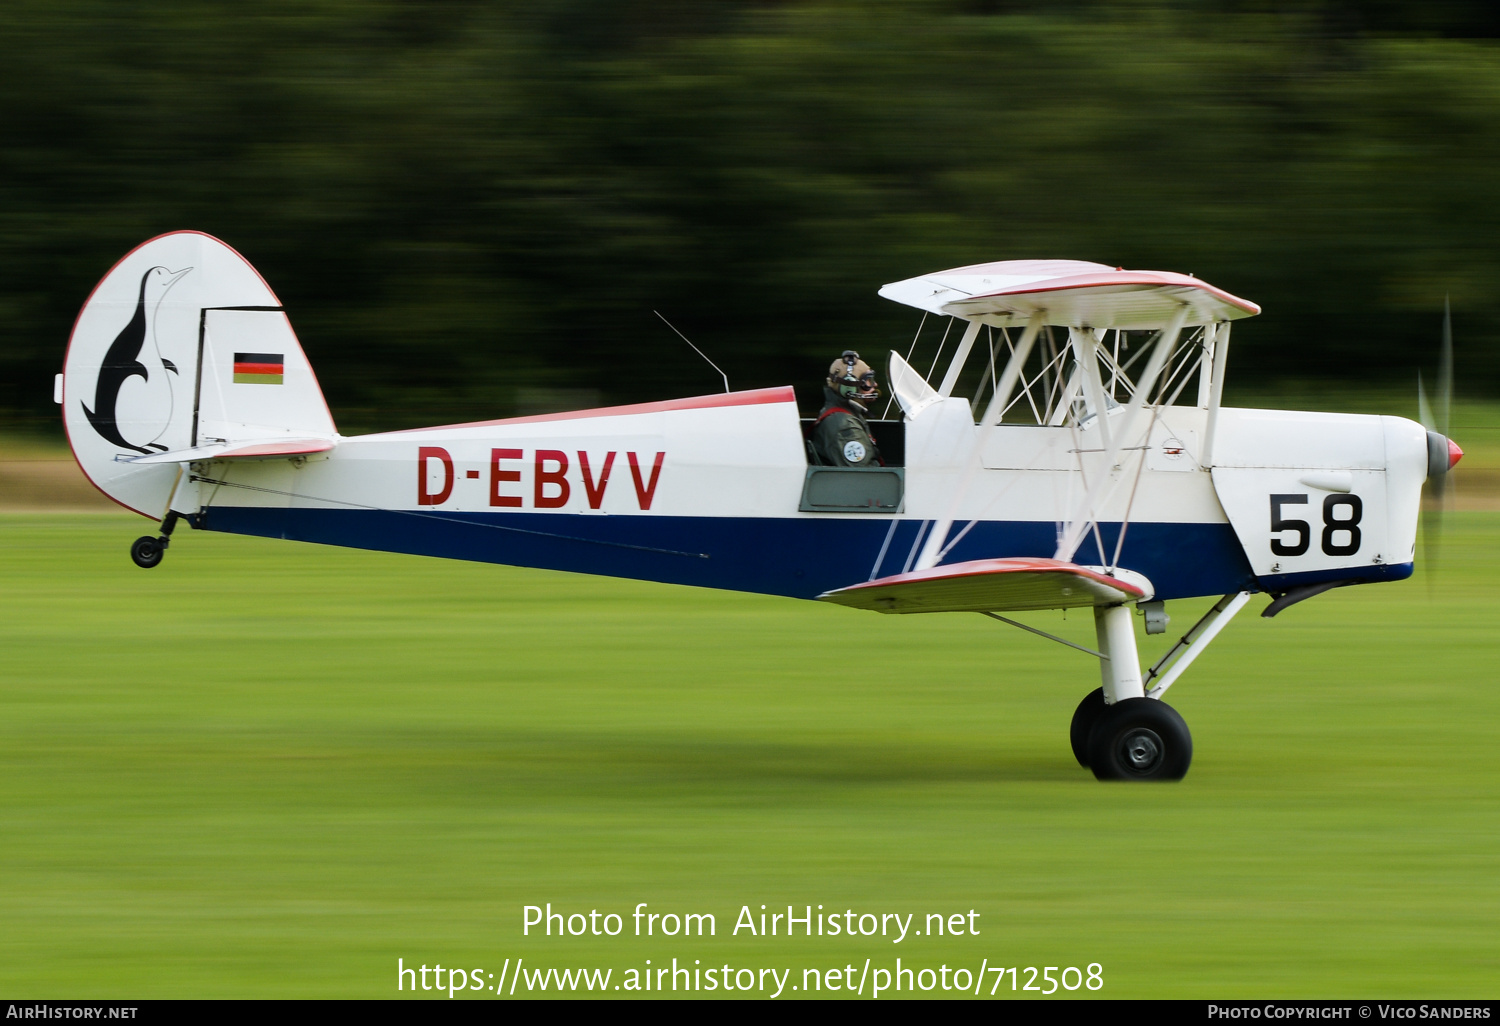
1332, 525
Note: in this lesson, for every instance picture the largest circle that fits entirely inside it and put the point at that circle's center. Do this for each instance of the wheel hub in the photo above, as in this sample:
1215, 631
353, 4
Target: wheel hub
1141, 750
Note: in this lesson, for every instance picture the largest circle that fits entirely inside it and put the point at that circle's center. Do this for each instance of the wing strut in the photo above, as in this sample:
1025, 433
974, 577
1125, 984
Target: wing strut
1068, 544
932, 551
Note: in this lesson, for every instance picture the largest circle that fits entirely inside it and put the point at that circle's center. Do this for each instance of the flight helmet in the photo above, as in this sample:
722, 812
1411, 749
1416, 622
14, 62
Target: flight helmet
852, 378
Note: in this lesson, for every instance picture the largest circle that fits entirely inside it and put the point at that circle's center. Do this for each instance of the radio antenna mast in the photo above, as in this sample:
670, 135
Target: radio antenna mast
695, 348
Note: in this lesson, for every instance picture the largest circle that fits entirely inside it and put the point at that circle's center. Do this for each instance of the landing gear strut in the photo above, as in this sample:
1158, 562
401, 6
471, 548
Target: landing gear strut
1121, 731
147, 551
1117, 731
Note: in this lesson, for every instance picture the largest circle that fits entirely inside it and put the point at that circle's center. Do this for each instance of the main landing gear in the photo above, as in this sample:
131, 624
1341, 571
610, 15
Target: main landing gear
1134, 739
146, 551
1121, 731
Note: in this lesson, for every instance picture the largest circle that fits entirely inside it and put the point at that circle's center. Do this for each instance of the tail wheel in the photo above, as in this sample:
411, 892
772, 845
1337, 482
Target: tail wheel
1140, 739
1084, 718
147, 552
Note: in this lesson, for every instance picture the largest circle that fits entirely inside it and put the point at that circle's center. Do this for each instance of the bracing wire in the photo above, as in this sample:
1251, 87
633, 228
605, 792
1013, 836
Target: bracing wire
939, 354
909, 352
1114, 564
988, 377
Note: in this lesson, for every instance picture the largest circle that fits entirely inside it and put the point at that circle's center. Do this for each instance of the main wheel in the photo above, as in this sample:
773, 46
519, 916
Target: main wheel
1140, 739
146, 552
1084, 718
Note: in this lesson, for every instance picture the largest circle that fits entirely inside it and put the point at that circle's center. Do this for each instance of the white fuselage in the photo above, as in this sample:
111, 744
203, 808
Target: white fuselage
698, 490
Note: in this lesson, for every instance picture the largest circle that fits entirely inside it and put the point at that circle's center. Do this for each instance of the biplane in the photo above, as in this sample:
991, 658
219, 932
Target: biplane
1092, 464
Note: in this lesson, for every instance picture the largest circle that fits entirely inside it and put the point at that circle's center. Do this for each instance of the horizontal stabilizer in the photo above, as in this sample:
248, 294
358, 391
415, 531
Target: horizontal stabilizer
991, 585
255, 449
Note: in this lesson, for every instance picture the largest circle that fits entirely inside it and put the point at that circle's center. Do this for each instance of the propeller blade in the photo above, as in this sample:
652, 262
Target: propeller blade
1432, 532
1445, 395
1445, 373
1438, 486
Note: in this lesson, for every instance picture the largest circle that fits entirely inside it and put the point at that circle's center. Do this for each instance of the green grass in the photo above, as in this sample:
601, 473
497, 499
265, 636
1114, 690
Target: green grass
270, 769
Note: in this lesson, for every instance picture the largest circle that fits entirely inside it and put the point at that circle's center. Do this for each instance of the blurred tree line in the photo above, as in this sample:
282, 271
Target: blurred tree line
473, 208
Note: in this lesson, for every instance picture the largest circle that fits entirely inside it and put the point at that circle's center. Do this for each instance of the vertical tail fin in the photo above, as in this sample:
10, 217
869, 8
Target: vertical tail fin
182, 343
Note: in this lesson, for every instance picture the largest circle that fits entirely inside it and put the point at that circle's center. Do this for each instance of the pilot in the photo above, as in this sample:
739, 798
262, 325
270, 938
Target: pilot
841, 437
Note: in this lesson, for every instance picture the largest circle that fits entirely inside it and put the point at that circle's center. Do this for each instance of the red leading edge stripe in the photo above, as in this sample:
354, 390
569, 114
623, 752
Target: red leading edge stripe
987, 567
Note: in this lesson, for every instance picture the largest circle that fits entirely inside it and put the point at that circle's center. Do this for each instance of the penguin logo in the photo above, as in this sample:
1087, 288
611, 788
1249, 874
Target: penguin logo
127, 358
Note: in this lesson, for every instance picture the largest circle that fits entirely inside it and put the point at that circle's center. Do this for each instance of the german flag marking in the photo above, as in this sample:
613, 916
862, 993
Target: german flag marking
258, 368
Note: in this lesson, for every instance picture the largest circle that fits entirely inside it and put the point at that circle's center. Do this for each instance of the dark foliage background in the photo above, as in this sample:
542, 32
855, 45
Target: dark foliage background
471, 208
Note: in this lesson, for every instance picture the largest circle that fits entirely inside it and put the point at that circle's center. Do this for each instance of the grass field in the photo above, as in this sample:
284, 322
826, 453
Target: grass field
271, 769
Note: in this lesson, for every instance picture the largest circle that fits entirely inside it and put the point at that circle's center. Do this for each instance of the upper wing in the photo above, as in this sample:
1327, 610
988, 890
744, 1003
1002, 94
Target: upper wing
1072, 293
993, 585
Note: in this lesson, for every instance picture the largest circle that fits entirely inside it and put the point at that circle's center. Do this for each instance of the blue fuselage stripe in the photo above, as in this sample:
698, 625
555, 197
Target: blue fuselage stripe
800, 557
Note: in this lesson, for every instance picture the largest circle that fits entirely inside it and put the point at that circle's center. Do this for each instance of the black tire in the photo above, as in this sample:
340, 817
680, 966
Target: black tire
1084, 718
146, 552
1140, 739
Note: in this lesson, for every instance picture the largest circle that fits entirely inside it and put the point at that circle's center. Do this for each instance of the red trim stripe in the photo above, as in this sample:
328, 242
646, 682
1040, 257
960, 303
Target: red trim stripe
755, 397
258, 368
